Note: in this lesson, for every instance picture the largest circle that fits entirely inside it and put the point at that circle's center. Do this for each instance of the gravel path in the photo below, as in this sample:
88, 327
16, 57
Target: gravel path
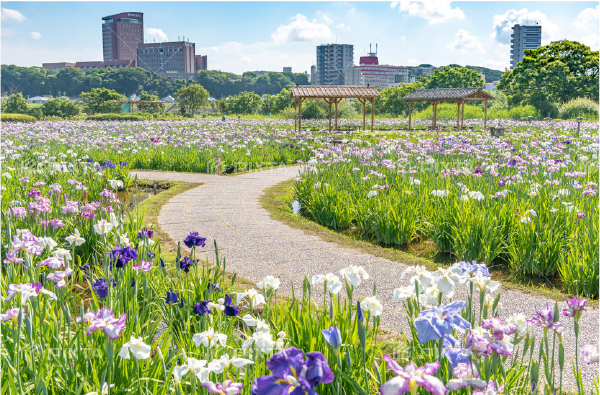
228, 210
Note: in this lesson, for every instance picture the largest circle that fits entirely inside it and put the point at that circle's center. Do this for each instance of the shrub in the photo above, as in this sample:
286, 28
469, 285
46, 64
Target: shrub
60, 107
16, 118
448, 111
519, 112
579, 107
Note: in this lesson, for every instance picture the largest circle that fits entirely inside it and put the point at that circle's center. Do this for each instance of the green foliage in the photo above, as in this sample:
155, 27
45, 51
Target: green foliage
490, 75
60, 107
519, 112
276, 103
448, 111
191, 98
101, 100
222, 84
391, 103
30, 81
244, 103
15, 104
554, 73
453, 77
16, 118
579, 107
152, 108
319, 109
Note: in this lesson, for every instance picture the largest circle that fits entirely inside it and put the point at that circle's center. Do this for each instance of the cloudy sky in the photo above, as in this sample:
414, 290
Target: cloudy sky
242, 36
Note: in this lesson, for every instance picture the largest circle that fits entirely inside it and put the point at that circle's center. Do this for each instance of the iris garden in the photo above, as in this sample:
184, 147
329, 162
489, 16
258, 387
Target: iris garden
93, 305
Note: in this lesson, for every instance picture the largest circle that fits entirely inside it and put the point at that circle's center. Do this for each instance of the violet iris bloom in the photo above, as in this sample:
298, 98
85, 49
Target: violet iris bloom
229, 309
145, 233
228, 387
292, 375
410, 378
185, 264
213, 287
574, 307
171, 297
194, 240
545, 319
454, 351
105, 320
201, 307
435, 323
101, 288
121, 256
333, 337
144, 266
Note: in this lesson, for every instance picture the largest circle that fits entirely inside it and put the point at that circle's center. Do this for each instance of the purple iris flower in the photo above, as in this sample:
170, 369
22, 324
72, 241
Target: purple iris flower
201, 307
213, 287
435, 323
471, 269
122, 255
230, 310
410, 378
545, 319
185, 264
85, 267
574, 307
292, 375
123, 163
162, 262
171, 297
194, 240
148, 233
333, 337
100, 287
454, 351
108, 163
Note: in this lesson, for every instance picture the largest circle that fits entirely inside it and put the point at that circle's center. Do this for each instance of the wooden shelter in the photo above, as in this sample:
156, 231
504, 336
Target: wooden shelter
458, 95
333, 94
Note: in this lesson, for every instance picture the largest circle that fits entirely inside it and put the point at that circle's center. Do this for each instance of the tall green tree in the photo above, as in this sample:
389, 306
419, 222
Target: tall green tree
60, 107
244, 103
101, 100
69, 81
191, 98
150, 107
15, 104
453, 77
554, 73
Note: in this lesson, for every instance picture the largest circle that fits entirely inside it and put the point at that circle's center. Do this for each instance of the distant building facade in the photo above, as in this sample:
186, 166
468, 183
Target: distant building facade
332, 59
287, 69
121, 35
201, 62
370, 72
92, 65
175, 59
523, 37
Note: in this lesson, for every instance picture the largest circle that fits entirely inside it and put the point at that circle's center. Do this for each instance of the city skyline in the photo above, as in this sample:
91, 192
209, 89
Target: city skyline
239, 37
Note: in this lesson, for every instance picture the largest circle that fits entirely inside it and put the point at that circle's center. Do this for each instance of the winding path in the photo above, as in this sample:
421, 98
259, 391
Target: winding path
228, 210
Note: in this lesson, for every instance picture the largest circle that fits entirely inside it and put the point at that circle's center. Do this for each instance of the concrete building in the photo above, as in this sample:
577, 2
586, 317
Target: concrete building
38, 99
121, 35
523, 37
332, 59
176, 59
201, 62
370, 72
57, 66
287, 69
313, 75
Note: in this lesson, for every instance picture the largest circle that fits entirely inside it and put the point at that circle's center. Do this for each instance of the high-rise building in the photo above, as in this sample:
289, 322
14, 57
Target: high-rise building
176, 59
201, 62
523, 37
313, 75
121, 35
332, 59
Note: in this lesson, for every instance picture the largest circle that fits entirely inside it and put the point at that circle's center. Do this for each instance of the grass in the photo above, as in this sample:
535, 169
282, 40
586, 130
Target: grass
277, 201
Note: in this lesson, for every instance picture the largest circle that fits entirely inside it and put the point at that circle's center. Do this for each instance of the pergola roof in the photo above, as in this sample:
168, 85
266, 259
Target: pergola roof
333, 91
449, 94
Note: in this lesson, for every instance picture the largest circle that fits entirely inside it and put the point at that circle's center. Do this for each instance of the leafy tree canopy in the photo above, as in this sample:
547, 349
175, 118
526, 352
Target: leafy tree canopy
101, 100
453, 77
191, 98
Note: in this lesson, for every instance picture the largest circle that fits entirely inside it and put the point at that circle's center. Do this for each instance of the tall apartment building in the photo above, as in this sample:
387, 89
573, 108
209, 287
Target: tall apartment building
332, 59
176, 59
121, 35
523, 37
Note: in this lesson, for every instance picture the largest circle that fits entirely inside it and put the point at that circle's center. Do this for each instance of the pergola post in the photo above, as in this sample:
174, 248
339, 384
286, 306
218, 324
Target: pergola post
372, 114
295, 113
409, 113
300, 115
363, 101
434, 115
457, 114
328, 101
485, 114
462, 122
336, 113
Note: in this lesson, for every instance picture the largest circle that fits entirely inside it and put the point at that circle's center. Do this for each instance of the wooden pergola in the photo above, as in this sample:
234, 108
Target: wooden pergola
458, 95
333, 94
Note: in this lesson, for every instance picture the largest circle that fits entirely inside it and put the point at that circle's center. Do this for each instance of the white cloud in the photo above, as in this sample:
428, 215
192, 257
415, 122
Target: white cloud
494, 64
11, 15
156, 34
327, 19
403, 38
342, 26
301, 29
35, 35
503, 24
592, 40
433, 11
465, 42
588, 19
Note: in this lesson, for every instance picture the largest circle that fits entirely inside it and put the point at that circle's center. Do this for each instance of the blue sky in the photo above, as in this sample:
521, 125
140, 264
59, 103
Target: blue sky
241, 36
